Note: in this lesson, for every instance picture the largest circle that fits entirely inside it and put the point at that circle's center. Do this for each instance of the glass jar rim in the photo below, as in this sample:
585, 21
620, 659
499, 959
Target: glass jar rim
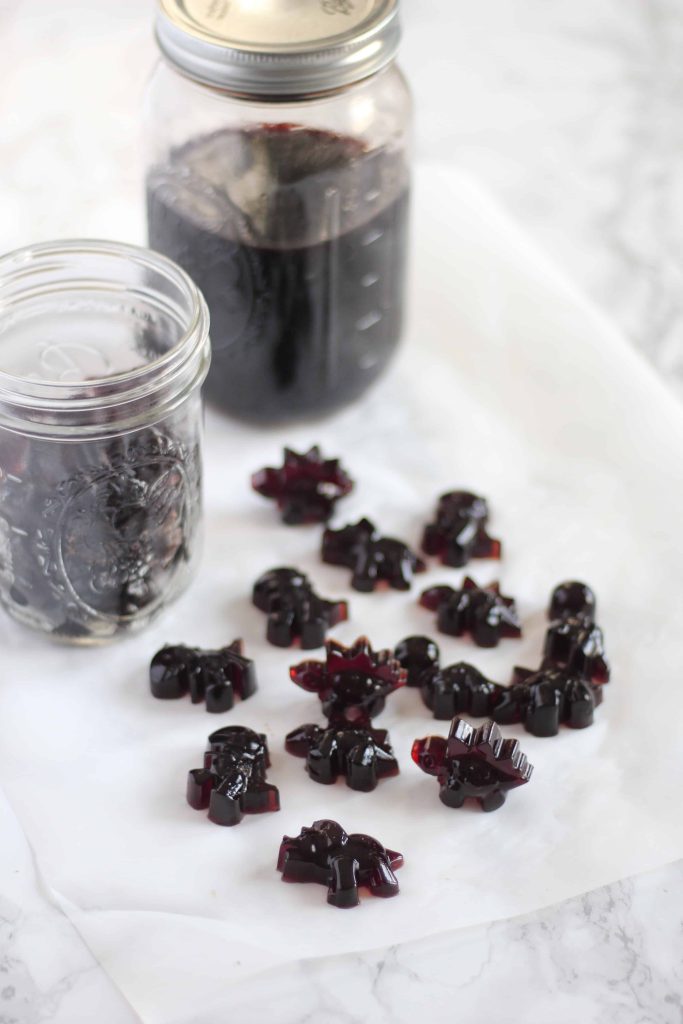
29, 404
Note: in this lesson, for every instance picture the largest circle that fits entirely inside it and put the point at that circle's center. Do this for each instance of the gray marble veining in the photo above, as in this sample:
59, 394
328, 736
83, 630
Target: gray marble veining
613, 956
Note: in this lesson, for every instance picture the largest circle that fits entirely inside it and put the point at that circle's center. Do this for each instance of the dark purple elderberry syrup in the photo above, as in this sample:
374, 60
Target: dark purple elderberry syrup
297, 239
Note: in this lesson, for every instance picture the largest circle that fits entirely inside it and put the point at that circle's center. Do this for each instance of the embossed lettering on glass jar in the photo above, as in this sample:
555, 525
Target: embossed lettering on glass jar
278, 142
103, 350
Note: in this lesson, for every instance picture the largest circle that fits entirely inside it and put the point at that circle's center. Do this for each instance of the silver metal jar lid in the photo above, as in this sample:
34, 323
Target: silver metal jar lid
278, 47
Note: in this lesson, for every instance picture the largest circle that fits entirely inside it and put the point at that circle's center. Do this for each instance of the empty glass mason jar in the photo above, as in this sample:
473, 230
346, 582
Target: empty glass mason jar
278, 177
103, 350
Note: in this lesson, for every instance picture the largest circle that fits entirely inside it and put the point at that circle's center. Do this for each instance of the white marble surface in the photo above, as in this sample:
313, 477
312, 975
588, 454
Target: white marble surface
569, 111
46, 972
611, 957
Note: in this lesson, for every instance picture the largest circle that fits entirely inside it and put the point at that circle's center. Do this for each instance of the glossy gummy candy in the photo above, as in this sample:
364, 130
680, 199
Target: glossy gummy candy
233, 782
473, 764
483, 612
567, 688
458, 532
372, 558
546, 699
326, 854
295, 612
574, 642
417, 654
215, 677
450, 691
352, 683
575, 645
362, 756
306, 487
572, 598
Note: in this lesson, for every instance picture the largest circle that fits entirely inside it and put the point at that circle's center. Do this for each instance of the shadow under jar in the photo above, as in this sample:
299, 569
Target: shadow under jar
103, 351
279, 179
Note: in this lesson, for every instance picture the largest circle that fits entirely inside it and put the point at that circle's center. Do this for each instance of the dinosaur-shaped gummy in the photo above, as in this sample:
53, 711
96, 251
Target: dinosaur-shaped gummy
352, 683
545, 699
450, 691
473, 764
372, 558
459, 530
325, 854
483, 612
232, 782
294, 610
363, 756
306, 487
567, 687
213, 676
576, 646
417, 654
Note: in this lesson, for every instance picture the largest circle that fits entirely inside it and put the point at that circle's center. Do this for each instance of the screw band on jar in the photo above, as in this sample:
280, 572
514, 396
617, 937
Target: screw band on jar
312, 47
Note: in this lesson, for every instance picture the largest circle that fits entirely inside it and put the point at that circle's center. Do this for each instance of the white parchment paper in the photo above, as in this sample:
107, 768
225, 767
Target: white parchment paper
509, 384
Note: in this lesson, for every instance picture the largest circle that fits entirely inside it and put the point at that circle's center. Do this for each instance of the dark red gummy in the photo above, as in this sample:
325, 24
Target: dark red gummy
567, 687
362, 756
372, 558
446, 691
306, 487
572, 598
483, 612
417, 654
458, 532
233, 782
215, 677
297, 238
352, 683
295, 612
544, 700
575, 645
473, 764
326, 854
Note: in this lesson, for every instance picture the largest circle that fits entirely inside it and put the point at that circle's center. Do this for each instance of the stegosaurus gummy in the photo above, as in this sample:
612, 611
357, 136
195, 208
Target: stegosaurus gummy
473, 763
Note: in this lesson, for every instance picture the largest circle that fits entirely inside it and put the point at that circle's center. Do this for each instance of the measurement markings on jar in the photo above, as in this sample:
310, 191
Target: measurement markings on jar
368, 321
372, 236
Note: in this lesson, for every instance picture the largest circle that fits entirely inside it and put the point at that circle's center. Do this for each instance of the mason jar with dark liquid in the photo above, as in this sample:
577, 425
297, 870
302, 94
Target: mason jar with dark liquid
279, 180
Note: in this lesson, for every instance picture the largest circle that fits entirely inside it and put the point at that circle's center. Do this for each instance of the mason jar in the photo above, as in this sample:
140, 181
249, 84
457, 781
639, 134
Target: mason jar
103, 351
278, 138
